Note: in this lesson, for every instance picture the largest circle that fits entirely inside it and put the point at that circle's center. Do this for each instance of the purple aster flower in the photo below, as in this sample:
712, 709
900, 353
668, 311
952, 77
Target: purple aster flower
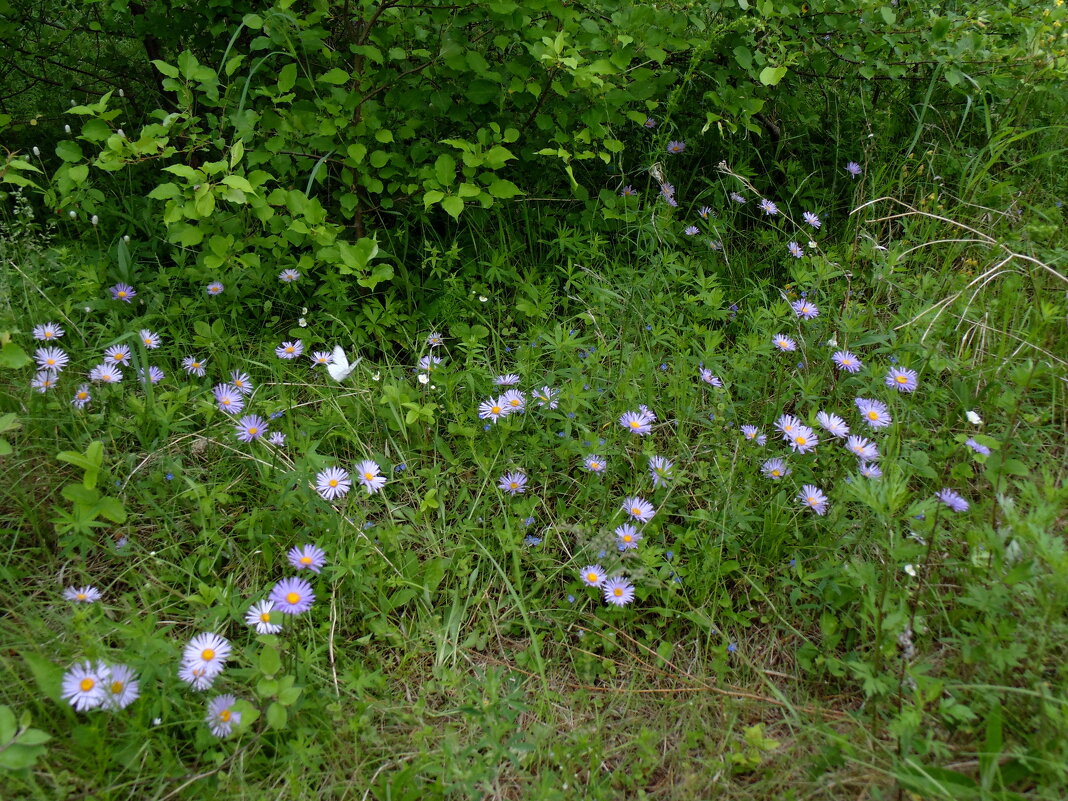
737, 198
660, 469
952, 500
155, 375
428, 363
123, 292
222, 717
788, 425
853, 169
321, 357
709, 378
627, 537
288, 276
874, 412
783, 343
636, 422
592, 575
768, 207
44, 380
594, 463
977, 447
870, 470
333, 482
241, 382
307, 557
292, 596
547, 396
196, 677
704, 212
82, 595
864, 449
277, 438
833, 424
434, 339
214, 288
53, 359
105, 374
812, 219
628, 191
639, 508
149, 339
370, 476
513, 483
902, 379
750, 432
46, 332
650, 122
208, 651
289, 350
795, 250
803, 439
813, 498
618, 591
83, 686
194, 366
259, 615
775, 469
121, 687
667, 192
228, 398
493, 409
81, 397
514, 401
805, 309
692, 230
675, 146
117, 354
844, 360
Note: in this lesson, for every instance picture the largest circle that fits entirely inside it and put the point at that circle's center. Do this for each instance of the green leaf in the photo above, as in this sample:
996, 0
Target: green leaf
277, 716
356, 257
287, 76
167, 69
111, 509
7, 724
69, 151
335, 76
19, 757
356, 151
185, 235
49, 677
270, 661
889, 17
12, 356
381, 272
444, 170
289, 695
770, 76
432, 196
504, 189
239, 182
78, 173
453, 205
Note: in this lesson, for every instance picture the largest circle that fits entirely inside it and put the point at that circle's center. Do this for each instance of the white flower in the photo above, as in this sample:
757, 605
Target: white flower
910, 570
424, 378
377, 377
483, 298
973, 418
302, 323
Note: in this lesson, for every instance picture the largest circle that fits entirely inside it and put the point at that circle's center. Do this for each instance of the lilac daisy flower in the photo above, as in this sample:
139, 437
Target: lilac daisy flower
149, 339
775, 469
788, 425
952, 500
863, 449
250, 427
833, 424
123, 292
292, 596
44, 380
813, 498
214, 288
288, 276
660, 469
105, 374
977, 446
322, 357
117, 354
332, 483
194, 366
594, 463
241, 382
803, 439
812, 219
434, 339
307, 557
768, 207
513, 483
636, 422
547, 396
853, 169
667, 192
277, 438
795, 250
229, 398
428, 363
196, 677
289, 350
650, 122
783, 343
750, 432
121, 687
618, 591
639, 508
53, 359
805, 309
703, 212
692, 230
592, 575
874, 412
81, 397
46, 332
737, 198
369, 473
902, 379
208, 651
709, 378
627, 537
259, 615
82, 595
675, 146
870, 470
628, 191
83, 687
155, 375
493, 409
506, 380
222, 717
845, 360
514, 401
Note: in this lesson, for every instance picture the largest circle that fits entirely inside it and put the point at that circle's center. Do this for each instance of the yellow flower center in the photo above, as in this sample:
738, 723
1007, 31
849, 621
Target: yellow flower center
594, 465
369, 476
116, 687
873, 415
513, 485
514, 402
289, 349
253, 430
48, 334
636, 510
83, 395
148, 340
207, 654
265, 617
812, 500
495, 410
775, 473
87, 684
628, 538
305, 560
591, 576
635, 424
617, 591
800, 440
50, 361
225, 716
902, 379
332, 482
226, 401
292, 598
81, 596
122, 293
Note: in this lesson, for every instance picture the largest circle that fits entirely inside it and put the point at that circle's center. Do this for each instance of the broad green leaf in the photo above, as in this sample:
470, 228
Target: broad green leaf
12, 356
270, 661
504, 189
335, 76
453, 205
277, 716
287, 76
167, 69
69, 151
770, 76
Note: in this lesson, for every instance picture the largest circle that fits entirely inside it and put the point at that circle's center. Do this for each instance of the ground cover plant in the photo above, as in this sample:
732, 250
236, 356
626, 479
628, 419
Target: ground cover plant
732, 467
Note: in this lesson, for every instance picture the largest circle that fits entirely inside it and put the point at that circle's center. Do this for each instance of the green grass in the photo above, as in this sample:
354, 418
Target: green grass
770, 652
